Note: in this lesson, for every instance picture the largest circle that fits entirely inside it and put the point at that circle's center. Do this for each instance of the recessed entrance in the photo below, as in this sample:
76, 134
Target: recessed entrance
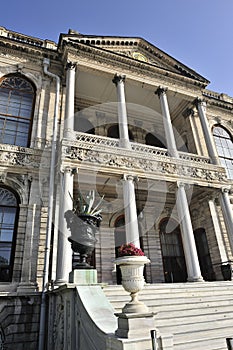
172, 252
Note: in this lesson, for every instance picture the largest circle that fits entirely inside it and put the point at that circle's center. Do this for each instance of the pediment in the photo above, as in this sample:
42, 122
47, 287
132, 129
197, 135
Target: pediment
137, 49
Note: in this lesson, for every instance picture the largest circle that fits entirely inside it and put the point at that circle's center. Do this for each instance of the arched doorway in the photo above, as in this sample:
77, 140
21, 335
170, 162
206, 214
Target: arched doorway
204, 255
172, 252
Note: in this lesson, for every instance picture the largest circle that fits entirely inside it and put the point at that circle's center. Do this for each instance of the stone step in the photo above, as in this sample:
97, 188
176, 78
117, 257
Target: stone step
199, 316
207, 339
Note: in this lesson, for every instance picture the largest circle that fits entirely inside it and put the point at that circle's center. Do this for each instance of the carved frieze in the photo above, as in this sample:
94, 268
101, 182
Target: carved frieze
19, 156
137, 163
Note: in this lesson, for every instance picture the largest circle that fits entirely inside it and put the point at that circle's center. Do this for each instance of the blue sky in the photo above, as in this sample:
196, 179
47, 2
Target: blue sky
198, 33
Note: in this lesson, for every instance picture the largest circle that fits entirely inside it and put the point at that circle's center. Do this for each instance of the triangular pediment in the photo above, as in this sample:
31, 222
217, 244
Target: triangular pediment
137, 49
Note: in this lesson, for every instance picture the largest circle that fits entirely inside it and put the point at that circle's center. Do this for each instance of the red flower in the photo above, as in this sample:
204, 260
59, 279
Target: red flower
129, 249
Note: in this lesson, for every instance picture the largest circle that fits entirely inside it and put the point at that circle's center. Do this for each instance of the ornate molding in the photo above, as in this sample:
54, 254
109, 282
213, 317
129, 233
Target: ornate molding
161, 90
71, 65
19, 156
136, 163
118, 79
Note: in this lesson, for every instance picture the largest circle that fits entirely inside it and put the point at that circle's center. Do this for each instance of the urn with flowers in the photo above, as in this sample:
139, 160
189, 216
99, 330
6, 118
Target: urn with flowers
131, 261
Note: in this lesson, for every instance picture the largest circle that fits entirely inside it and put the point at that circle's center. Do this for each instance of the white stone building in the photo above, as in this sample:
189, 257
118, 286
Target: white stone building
119, 116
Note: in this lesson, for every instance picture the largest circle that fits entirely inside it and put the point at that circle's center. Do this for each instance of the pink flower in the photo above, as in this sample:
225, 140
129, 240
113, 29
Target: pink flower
129, 249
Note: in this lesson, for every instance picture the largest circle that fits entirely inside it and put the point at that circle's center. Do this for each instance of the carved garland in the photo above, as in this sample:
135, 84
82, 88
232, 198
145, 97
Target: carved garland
20, 157
159, 166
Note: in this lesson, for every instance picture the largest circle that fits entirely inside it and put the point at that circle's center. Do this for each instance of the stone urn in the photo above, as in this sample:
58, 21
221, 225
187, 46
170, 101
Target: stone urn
83, 229
133, 281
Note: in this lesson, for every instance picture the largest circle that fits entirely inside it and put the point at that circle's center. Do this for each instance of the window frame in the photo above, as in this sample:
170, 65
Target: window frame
14, 234
223, 158
19, 118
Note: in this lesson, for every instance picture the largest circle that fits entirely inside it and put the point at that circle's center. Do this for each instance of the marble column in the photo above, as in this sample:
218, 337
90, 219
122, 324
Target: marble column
190, 251
201, 106
227, 213
119, 81
189, 245
64, 251
169, 133
217, 229
131, 219
69, 105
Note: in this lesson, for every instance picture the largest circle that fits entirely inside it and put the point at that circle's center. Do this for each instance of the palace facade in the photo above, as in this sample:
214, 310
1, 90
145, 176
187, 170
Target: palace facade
121, 117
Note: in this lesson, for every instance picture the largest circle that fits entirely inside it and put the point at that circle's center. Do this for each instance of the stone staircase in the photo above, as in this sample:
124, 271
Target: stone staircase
197, 316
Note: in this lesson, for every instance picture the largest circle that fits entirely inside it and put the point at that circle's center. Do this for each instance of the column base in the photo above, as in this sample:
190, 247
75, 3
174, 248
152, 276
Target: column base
124, 143
195, 279
134, 325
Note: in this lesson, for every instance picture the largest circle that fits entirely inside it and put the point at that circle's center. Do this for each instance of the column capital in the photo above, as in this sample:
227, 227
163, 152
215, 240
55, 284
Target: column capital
226, 189
130, 177
71, 65
68, 170
189, 112
185, 185
200, 102
118, 78
161, 90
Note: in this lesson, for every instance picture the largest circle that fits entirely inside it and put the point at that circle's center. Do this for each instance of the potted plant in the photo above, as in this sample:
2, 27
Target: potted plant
131, 261
84, 222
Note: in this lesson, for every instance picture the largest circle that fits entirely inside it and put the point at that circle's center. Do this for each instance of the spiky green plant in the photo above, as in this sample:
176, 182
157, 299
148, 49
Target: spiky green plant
87, 205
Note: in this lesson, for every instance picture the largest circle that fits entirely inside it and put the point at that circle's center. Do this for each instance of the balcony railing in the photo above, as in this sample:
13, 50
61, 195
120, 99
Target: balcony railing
137, 147
96, 152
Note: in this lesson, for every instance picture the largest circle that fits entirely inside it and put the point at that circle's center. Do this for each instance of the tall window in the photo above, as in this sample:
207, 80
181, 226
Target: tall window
172, 252
224, 146
8, 224
16, 108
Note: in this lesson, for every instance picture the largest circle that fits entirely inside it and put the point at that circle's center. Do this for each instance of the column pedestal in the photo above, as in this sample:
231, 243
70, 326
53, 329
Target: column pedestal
134, 325
82, 277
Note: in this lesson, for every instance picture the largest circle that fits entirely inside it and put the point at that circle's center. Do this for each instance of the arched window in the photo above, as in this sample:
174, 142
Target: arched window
152, 140
224, 145
83, 125
16, 107
113, 132
8, 224
172, 252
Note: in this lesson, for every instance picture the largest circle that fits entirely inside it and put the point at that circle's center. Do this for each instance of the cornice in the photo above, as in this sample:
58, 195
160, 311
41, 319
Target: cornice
110, 44
10, 46
218, 100
124, 63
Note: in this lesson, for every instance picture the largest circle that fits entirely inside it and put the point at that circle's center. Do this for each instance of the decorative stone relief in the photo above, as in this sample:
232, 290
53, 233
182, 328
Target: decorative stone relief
58, 328
169, 167
15, 155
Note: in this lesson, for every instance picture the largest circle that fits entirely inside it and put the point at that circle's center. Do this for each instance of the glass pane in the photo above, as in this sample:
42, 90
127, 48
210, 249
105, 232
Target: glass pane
16, 102
7, 198
5, 253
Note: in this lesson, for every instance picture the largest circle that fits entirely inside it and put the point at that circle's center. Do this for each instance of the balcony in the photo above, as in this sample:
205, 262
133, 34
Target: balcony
104, 155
